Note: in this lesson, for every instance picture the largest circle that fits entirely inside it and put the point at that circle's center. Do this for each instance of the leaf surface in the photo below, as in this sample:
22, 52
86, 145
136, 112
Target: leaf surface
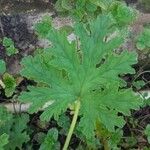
87, 70
50, 141
2, 66
3, 140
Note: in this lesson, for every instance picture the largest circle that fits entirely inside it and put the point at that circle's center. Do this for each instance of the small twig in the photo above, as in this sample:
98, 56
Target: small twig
2, 29
140, 127
20, 109
146, 116
141, 131
141, 117
2, 84
144, 79
141, 95
147, 71
147, 82
13, 103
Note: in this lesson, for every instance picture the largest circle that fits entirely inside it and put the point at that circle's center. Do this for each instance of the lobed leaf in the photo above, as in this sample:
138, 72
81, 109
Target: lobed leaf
9, 45
87, 70
3, 140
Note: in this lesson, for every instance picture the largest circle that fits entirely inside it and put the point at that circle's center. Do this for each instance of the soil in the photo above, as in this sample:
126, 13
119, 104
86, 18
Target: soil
17, 22
15, 27
131, 1
13, 24
25, 6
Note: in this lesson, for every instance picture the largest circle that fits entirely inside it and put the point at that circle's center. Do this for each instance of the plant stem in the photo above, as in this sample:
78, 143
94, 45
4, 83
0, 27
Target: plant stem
72, 126
2, 84
106, 146
102, 136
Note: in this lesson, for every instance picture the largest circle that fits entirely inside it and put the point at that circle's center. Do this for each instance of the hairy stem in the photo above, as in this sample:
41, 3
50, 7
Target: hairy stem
73, 123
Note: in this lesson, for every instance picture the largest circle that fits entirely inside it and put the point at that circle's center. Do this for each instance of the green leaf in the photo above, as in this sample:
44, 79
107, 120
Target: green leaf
131, 141
88, 71
96, 39
147, 132
15, 127
108, 104
64, 122
138, 84
39, 137
104, 4
2, 66
143, 42
50, 141
10, 84
91, 7
3, 141
117, 64
9, 45
115, 139
43, 27
19, 135
146, 148
66, 4
58, 6
5, 116
140, 45
123, 14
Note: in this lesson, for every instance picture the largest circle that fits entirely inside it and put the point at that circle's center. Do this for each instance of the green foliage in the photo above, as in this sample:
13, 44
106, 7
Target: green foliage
146, 148
64, 123
2, 66
18, 133
115, 139
3, 140
138, 84
84, 10
39, 137
147, 132
131, 141
80, 8
15, 127
4, 116
123, 14
143, 42
43, 27
50, 141
89, 75
9, 45
10, 84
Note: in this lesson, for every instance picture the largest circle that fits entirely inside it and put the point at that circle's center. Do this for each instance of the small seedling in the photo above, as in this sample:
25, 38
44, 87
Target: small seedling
143, 42
9, 46
8, 82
